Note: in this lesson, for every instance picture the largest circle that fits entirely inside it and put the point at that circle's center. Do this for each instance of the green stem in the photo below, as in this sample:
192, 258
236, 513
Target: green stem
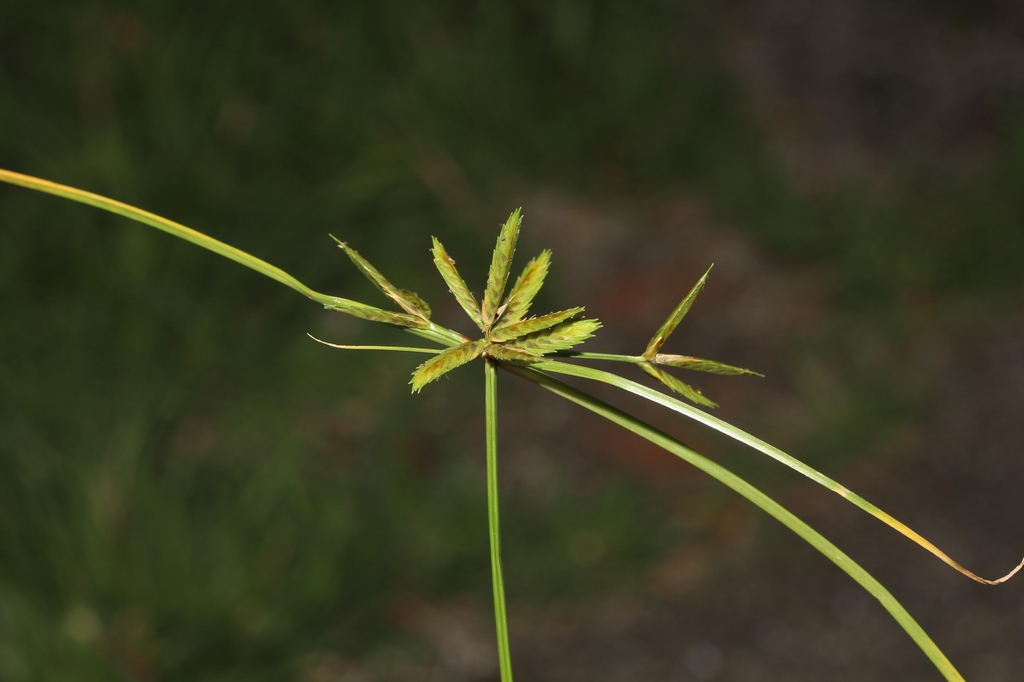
493, 525
766, 503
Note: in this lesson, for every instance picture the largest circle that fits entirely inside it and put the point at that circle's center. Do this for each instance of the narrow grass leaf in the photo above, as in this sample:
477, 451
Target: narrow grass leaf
390, 290
161, 223
701, 365
675, 318
532, 324
682, 388
446, 266
446, 361
525, 289
402, 349
420, 327
501, 262
744, 488
516, 356
560, 337
793, 463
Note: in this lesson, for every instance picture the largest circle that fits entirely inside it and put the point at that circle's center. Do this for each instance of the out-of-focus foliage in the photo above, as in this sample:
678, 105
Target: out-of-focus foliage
189, 487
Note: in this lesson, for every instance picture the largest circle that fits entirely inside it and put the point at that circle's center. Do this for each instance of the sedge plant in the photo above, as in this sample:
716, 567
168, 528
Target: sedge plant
535, 348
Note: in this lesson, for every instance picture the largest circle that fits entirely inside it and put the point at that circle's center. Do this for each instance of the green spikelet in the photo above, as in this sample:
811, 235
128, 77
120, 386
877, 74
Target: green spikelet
684, 389
446, 361
446, 266
422, 307
374, 314
513, 355
674, 319
501, 262
532, 324
389, 289
525, 289
560, 337
701, 365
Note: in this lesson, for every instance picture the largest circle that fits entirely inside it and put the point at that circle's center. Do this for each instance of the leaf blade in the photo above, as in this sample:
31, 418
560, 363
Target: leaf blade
423, 328
675, 318
501, 262
756, 443
401, 349
744, 488
159, 222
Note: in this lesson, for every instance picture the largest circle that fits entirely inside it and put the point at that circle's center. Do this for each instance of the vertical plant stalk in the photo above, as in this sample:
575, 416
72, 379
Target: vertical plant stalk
794, 523
493, 523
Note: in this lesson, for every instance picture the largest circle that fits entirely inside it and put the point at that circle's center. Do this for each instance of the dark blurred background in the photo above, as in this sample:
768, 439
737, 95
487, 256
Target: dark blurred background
191, 489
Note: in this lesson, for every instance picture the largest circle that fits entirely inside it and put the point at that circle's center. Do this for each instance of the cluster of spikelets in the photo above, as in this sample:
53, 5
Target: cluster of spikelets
510, 336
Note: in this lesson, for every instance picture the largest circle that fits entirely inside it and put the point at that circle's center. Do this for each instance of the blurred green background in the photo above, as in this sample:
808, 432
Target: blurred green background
191, 489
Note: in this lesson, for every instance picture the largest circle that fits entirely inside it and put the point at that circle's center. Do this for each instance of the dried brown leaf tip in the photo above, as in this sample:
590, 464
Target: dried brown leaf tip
652, 358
